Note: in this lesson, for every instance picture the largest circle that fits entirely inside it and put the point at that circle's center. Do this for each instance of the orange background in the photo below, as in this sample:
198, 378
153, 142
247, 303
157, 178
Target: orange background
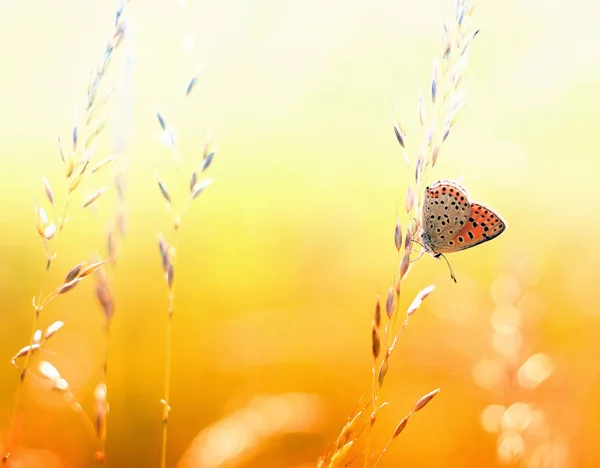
281, 258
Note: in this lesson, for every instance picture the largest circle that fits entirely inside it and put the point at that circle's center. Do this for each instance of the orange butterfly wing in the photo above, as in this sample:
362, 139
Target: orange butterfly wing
482, 225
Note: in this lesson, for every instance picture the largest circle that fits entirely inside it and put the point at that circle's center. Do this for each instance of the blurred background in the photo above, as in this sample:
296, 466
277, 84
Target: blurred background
280, 260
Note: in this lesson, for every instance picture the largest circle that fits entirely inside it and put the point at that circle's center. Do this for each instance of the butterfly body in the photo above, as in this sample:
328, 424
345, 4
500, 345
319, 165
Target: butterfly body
451, 222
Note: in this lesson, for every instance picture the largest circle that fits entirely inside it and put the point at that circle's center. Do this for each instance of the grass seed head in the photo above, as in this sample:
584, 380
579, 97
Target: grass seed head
164, 191
70, 167
199, 187
383, 368
401, 426
404, 264
416, 303
377, 314
399, 135
53, 329
50, 231
161, 121
37, 337
24, 352
91, 268
48, 190
375, 342
165, 253
66, 287
41, 220
421, 402
74, 273
339, 457
170, 275
75, 182
208, 161
398, 235
104, 163
190, 86
193, 181
48, 371
390, 302
61, 385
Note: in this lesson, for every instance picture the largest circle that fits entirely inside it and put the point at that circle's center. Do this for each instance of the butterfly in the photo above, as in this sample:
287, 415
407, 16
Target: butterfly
450, 222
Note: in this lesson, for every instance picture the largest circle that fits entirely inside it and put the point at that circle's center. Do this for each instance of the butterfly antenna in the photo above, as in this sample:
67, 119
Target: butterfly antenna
449, 267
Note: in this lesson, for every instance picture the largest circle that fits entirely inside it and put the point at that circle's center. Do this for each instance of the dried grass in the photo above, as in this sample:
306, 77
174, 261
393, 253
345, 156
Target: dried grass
76, 163
176, 209
445, 104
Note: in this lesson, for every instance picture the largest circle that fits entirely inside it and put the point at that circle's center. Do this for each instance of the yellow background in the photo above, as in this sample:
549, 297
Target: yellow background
281, 258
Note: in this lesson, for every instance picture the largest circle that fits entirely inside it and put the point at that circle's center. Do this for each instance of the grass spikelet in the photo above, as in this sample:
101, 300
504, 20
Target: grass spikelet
48, 190
404, 264
421, 402
190, 86
26, 350
419, 300
88, 269
65, 288
375, 342
398, 235
74, 272
399, 135
164, 191
102, 164
377, 314
198, 188
94, 196
161, 121
53, 329
390, 302
401, 426
383, 368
